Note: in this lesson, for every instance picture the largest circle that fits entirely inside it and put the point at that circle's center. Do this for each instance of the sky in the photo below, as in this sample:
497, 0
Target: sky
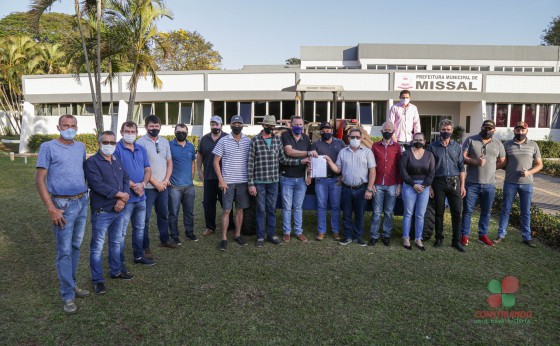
264, 32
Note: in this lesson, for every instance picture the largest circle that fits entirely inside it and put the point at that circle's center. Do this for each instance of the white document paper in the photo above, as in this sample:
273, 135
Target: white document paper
318, 167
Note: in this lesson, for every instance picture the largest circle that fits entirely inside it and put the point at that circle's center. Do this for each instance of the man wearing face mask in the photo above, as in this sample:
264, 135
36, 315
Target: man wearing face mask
328, 189
157, 195
297, 145
110, 191
523, 159
388, 183
136, 164
61, 185
181, 187
265, 154
482, 155
357, 166
405, 119
207, 174
230, 163
449, 182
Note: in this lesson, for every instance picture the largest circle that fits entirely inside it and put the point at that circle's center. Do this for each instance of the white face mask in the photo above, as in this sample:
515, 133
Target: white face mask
108, 149
129, 138
405, 101
354, 143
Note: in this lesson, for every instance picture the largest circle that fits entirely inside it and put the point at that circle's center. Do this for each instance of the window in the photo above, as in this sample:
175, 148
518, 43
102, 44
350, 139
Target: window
173, 113
288, 109
555, 117
548, 69
379, 112
245, 111
218, 109
366, 115
530, 115
274, 109
489, 111
198, 113
321, 110
160, 111
308, 112
436, 68
106, 108
260, 111
544, 115
350, 110
65, 109
185, 114
515, 114
88, 109
501, 115
231, 110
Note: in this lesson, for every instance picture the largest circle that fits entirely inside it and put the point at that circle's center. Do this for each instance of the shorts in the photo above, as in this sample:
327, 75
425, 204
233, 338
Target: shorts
237, 193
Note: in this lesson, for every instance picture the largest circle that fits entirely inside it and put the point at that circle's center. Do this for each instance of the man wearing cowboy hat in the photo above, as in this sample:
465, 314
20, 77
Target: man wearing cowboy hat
265, 154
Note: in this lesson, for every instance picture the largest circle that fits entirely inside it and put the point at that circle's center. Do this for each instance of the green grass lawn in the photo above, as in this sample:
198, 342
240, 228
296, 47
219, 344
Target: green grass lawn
314, 293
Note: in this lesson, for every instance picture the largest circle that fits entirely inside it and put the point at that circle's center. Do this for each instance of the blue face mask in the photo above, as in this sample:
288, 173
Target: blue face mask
68, 134
445, 135
297, 130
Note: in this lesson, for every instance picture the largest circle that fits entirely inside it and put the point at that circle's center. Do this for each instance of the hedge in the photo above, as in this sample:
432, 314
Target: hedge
544, 226
89, 140
549, 149
551, 168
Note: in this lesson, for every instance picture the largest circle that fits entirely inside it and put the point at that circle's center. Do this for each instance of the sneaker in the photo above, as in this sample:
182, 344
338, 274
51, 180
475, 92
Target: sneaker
529, 243
144, 260
177, 241
484, 239
191, 237
124, 268
464, 240
80, 293
274, 240
361, 242
498, 240
372, 242
99, 288
207, 232
69, 306
320, 236
240, 241
301, 237
123, 276
223, 245
148, 254
386, 241
345, 241
336, 236
260, 243
169, 244
286, 238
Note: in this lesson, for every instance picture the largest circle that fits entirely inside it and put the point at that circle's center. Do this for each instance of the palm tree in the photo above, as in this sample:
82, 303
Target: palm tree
53, 58
38, 7
136, 19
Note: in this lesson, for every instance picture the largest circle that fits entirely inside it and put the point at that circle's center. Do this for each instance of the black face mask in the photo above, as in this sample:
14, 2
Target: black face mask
387, 135
326, 136
485, 134
181, 136
445, 135
236, 130
418, 145
268, 130
153, 133
215, 131
520, 136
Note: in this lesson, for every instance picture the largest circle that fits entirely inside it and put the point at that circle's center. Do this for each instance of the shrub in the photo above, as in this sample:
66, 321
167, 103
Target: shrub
551, 168
549, 149
544, 226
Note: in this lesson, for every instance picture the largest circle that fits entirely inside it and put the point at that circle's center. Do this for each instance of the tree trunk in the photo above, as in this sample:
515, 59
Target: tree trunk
132, 97
114, 119
99, 110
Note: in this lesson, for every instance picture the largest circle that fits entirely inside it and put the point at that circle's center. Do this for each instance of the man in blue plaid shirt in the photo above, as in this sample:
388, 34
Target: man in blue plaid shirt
265, 154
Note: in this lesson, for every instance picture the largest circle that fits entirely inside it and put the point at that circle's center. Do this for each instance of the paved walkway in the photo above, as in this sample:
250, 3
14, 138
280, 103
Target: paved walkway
546, 193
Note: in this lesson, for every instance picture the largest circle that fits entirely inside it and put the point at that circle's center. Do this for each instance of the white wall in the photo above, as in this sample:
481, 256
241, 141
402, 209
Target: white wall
523, 84
249, 82
61, 85
350, 82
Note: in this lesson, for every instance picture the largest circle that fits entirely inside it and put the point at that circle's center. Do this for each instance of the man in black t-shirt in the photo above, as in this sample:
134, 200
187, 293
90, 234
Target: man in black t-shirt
207, 174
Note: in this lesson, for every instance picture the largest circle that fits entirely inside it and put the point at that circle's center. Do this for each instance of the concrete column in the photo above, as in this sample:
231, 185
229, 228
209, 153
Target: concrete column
26, 126
207, 115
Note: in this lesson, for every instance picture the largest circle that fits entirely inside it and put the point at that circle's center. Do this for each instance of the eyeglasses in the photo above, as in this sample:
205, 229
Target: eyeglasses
483, 150
157, 147
354, 137
108, 143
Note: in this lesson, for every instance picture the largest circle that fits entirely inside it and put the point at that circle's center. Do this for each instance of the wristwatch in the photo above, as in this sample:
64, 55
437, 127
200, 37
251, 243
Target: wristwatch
369, 190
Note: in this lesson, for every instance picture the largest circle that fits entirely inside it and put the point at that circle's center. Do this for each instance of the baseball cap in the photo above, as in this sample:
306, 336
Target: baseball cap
325, 125
236, 119
521, 124
489, 123
216, 119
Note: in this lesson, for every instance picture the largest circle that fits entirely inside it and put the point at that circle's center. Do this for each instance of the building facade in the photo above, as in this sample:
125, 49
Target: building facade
465, 83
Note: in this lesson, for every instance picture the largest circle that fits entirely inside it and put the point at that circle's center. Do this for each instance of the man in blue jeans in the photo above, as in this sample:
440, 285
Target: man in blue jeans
110, 191
357, 166
265, 154
135, 162
328, 189
388, 183
297, 145
159, 155
482, 155
61, 184
523, 159
181, 187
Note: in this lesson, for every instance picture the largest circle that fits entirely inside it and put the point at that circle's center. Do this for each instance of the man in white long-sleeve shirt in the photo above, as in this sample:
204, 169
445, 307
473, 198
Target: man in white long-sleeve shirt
404, 115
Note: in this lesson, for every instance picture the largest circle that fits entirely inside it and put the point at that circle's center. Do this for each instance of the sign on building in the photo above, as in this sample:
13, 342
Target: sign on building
439, 82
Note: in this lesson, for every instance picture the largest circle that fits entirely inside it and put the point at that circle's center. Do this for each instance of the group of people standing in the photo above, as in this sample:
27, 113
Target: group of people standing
129, 178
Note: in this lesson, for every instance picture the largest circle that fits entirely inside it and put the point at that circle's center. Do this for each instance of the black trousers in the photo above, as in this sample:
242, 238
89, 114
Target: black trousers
449, 187
211, 195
